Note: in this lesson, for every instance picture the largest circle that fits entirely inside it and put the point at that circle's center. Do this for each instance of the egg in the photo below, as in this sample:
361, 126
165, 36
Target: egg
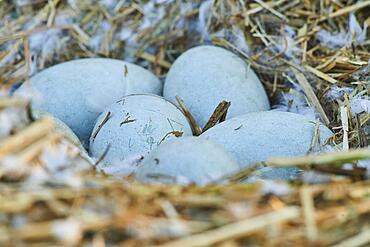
186, 160
135, 125
206, 75
62, 128
255, 137
77, 91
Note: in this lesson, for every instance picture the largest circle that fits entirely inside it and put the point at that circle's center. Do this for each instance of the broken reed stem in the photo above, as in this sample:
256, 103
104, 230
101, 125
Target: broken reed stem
151, 58
272, 10
322, 159
26, 136
219, 114
344, 119
309, 213
196, 129
47, 229
241, 174
236, 230
346, 10
310, 94
321, 75
315, 138
349, 112
260, 8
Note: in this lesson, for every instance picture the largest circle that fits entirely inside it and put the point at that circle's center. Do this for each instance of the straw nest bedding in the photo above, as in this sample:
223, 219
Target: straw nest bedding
313, 59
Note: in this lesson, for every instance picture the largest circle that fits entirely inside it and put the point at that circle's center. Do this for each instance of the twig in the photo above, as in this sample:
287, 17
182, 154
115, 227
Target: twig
238, 229
29, 153
309, 213
260, 8
322, 159
218, 114
349, 112
311, 95
316, 137
149, 57
196, 129
345, 10
273, 11
344, 119
26, 136
241, 174
321, 75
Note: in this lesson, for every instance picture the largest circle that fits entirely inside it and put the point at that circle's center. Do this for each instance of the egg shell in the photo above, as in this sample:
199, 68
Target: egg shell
138, 124
206, 75
188, 158
77, 91
61, 127
255, 137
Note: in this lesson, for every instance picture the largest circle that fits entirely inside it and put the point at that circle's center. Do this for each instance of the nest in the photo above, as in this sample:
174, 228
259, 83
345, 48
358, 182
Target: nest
313, 59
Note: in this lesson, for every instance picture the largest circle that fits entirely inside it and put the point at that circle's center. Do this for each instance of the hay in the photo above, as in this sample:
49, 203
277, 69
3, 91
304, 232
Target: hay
313, 59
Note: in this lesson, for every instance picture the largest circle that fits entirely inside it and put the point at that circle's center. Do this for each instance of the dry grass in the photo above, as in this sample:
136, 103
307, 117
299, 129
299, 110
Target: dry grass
42, 203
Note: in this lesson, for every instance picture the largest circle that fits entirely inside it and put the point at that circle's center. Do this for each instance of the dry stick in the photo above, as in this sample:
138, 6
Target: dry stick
321, 75
361, 133
45, 230
310, 94
349, 112
309, 213
260, 8
223, 116
357, 173
322, 159
346, 10
303, 30
219, 114
273, 11
27, 55
196, 129
236, 230
344, 119
241, 174
149, 57
26, 136
316, 137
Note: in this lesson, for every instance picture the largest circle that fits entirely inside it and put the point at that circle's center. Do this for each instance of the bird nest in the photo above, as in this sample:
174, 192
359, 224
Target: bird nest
313, 59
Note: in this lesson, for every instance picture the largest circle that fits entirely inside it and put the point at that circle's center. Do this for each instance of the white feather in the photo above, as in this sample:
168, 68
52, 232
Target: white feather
355, 34
123, 168
69, 231
203, 17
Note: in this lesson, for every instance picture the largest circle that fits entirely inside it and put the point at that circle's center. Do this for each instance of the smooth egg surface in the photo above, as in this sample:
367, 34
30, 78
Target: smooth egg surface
187, 159
206, 75
77, 91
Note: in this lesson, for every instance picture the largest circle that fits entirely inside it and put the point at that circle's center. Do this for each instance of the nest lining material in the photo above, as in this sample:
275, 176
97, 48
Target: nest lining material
313, 59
